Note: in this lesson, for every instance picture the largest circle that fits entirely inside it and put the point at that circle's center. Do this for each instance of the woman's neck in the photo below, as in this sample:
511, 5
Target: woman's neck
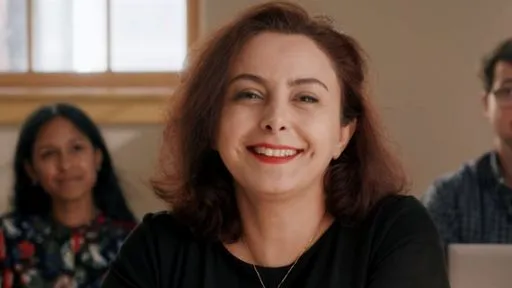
74, 213
275, 233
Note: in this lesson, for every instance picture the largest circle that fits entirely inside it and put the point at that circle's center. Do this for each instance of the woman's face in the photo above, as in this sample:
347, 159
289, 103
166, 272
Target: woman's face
281, 122
64, 161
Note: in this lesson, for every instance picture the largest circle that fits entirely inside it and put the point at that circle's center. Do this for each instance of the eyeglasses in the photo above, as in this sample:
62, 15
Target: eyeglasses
503, 96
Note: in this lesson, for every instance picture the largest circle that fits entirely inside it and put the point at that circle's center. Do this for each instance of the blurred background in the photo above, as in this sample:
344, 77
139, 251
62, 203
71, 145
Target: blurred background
118, 59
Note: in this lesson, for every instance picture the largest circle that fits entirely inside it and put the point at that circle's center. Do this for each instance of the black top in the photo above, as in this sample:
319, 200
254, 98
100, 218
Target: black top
397, 246
473, 204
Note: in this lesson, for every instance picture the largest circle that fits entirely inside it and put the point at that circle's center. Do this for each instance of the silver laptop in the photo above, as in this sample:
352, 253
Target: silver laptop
480, 265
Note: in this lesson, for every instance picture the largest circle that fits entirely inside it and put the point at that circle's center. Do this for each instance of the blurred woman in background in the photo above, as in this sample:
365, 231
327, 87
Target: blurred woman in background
69, 216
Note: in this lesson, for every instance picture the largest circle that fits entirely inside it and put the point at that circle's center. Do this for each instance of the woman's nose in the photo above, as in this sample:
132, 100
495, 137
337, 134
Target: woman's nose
275, 119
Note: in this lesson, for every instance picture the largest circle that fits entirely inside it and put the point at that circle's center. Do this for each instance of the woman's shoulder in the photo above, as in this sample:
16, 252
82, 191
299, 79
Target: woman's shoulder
397, 217
163, 221
398, 235
19, 227
7, 217
158, 238
391, 203
15, 217
12, 223
9, 225
161, 227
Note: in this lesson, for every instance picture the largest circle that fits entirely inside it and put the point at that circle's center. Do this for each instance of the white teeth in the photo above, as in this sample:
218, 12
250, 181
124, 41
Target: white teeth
275, 152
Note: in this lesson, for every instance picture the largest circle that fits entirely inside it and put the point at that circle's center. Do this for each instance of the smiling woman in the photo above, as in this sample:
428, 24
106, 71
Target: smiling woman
69, 216
291, 110
276, 172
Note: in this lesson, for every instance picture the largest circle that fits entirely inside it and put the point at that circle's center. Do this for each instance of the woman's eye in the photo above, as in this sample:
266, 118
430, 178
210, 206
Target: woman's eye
78, 147
248, 95
48, 154
308, 99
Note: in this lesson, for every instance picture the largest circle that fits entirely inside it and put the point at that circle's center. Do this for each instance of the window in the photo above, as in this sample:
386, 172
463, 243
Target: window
93, 50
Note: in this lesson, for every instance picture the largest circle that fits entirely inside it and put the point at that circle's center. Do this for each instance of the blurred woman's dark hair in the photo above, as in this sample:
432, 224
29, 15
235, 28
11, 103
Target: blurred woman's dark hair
192, 177
30, 199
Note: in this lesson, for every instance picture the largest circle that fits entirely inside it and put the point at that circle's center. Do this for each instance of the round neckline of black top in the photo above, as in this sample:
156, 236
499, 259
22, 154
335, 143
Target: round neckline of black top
248, 266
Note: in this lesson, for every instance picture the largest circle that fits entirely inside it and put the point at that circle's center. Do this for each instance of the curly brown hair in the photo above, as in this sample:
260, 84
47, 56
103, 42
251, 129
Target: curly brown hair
192, 177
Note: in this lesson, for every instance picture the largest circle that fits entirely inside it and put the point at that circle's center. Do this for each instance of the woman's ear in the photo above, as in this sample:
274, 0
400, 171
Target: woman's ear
30, 172
346, 133
98, 159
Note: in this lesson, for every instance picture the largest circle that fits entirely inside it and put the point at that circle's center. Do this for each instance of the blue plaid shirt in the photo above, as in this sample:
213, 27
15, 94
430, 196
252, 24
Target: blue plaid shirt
472, 205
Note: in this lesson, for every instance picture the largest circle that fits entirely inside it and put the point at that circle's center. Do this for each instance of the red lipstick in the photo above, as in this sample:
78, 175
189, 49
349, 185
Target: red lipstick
274, 154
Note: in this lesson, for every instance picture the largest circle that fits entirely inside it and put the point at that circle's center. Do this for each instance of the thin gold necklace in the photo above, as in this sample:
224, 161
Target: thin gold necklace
310, 243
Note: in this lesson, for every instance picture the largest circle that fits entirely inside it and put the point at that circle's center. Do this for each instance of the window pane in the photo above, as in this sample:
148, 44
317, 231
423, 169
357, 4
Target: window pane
69, 35
13, 36
148, 35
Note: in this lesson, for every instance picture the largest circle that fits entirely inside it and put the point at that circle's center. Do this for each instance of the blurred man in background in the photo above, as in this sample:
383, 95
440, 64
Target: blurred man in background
474, 204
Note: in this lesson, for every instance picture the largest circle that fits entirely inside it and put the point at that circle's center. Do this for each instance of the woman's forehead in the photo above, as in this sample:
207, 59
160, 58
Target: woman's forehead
277, 55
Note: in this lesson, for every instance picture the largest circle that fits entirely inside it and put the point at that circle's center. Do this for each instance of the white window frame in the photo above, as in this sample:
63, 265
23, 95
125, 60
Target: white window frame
109, 97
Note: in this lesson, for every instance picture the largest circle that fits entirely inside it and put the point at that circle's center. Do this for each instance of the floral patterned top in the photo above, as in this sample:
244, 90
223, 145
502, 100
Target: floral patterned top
36, 252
